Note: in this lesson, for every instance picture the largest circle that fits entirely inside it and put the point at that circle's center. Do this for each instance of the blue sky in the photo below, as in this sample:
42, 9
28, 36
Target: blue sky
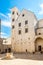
35, 6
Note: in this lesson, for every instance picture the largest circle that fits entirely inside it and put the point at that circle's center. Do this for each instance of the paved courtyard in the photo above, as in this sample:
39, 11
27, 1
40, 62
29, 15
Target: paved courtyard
20, 62
36, 56
23, 59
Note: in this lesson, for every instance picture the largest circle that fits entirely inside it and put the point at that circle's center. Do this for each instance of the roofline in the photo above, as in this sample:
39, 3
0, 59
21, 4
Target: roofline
27, 11
40, 19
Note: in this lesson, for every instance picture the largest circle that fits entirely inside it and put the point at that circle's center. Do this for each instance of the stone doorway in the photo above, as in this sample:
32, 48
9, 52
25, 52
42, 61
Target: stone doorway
9, 50
26, 50
39, 44
39, 48
5, 50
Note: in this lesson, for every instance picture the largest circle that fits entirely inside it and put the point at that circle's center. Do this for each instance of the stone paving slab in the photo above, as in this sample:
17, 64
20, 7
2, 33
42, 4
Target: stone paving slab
20, 62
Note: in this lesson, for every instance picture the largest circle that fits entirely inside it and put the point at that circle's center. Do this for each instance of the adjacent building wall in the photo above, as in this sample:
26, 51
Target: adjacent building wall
39, 39
24, 42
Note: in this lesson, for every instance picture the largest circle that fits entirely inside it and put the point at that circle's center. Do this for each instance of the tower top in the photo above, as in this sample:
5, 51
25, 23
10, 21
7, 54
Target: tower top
14, 9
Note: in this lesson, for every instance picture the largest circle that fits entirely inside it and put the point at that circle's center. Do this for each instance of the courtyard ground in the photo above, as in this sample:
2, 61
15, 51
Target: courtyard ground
20, 62
36, 56
24, 59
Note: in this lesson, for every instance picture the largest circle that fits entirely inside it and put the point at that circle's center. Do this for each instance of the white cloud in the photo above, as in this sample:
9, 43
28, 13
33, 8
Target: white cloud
10, 10
6, 23
41, 9
9, 15
3, 35
1, 14
41, 5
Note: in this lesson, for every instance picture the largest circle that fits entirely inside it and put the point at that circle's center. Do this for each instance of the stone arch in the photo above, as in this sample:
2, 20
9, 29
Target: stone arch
39, 44
9, 50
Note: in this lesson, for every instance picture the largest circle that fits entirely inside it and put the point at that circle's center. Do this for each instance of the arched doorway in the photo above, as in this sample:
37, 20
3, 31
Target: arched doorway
9, 50
39, 44
26, 50
5, 50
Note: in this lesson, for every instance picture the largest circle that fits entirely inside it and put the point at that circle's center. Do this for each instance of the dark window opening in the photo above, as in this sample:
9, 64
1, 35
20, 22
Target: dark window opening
26, 22
12, 19
5, 50
23, 15
13, 12
0, 50
39, 33
26, 30
19, 24
19, 31
39, 48
17, 13
9, 50
12, 27
26, 50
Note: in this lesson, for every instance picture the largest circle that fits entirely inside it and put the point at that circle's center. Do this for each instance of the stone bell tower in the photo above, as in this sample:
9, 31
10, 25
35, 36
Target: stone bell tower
14, 15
